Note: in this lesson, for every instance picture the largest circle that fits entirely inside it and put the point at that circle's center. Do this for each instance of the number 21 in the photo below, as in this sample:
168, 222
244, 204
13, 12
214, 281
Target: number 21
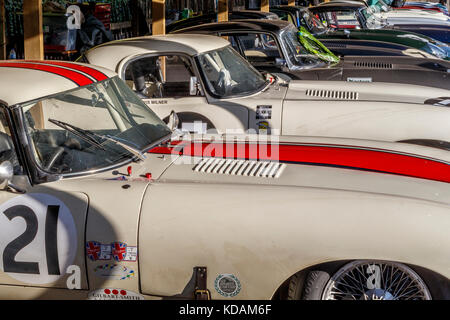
51, 246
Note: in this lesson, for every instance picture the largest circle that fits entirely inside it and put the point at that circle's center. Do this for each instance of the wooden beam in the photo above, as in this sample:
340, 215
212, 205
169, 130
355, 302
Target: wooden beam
222, 14
159, 26
2, 31
135, 23
291, 3
158, 17
32, 30
265, 5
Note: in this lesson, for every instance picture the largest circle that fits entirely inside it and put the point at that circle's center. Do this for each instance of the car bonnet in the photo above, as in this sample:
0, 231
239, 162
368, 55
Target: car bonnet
344, 164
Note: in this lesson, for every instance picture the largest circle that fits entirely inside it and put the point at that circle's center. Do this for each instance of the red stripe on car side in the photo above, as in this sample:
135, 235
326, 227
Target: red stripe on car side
74, 76
97, 75
340, 156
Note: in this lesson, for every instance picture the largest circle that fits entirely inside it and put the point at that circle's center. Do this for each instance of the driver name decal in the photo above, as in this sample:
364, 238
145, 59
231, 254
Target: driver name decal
158, 101
114, 294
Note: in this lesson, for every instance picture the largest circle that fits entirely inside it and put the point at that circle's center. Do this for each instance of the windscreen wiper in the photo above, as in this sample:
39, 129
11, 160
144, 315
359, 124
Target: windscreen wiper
81, 133
90, 137
126, 145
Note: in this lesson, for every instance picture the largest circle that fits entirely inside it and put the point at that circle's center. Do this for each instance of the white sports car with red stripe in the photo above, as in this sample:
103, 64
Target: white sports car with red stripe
99, 199
211, 86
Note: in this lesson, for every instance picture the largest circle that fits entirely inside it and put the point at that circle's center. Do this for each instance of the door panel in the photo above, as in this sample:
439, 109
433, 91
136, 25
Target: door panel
222, 115
365, 120
163, 82
41, 236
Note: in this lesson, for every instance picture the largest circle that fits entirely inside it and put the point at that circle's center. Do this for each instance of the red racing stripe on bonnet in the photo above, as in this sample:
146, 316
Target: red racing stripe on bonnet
75, 76
360, 158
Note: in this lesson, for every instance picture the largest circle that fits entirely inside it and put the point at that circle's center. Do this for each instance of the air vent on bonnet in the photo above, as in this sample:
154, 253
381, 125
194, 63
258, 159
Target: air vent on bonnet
333, 94
336, 45
373, 65
250, 168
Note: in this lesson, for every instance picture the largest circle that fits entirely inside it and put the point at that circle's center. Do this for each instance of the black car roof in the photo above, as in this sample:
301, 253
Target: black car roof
291, 9
326, 6
211, 17
187, 22
251, 14
244, 25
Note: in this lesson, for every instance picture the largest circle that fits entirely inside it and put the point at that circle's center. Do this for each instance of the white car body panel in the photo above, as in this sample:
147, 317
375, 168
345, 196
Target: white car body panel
319, 108
351, 199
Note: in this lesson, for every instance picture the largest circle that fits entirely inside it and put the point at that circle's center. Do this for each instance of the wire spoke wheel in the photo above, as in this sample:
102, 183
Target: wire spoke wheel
375, 280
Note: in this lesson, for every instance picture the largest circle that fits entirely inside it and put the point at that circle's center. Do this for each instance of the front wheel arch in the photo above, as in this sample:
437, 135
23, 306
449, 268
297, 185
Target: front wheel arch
438, 285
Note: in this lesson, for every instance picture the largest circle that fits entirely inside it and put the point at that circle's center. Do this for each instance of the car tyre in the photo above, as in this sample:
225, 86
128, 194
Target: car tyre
361, 280
312, 287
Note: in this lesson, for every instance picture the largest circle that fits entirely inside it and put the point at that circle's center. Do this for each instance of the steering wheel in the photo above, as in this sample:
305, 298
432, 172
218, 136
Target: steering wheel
159, 92
55, 156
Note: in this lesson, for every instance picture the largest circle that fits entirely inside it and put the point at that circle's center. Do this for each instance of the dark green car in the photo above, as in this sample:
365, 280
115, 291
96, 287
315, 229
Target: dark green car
364, 42
279, 48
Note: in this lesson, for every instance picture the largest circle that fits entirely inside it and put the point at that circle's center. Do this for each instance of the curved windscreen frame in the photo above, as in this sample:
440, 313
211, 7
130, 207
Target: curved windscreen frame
73, 132
226, 74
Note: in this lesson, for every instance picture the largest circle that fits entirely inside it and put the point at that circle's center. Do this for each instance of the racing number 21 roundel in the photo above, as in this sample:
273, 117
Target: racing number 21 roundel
38, 239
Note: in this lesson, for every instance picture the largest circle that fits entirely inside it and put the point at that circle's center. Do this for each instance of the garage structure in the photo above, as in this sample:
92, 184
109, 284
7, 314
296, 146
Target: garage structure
133, 18
2, 31
31, 15
348, 152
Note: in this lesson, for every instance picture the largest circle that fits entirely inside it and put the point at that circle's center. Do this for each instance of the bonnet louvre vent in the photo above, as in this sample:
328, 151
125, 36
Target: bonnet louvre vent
248, 168
373, 65
336, 45
332, 94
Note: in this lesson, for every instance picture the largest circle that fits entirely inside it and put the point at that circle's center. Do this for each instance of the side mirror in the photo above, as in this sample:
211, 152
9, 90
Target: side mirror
193, 86
6, 174
280, 62
173, 121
